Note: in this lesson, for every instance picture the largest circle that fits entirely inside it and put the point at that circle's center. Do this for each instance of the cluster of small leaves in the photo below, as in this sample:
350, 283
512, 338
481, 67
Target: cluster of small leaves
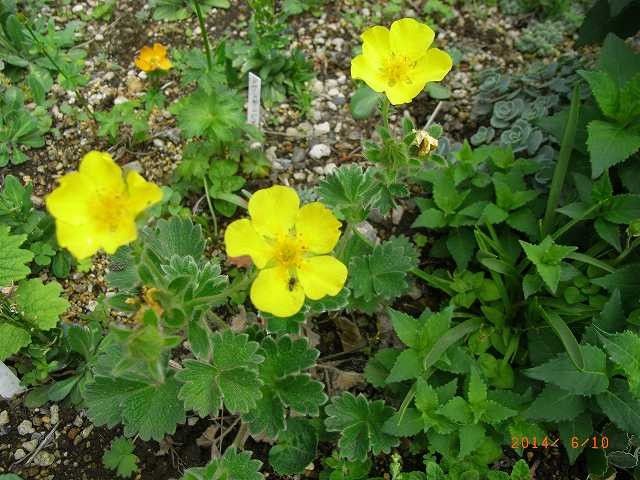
125, 119
19, 127
542, 37
173, 10
120, 458
615, 136
32, 306
514, 104
212, 120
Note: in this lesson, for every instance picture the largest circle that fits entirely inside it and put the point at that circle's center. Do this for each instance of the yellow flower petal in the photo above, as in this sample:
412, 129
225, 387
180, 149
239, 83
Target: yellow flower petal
318, 228
433, 66
103, 173
111, 239
143, 64
81, 245
165, 64
159, 50
321, 276
274, 210
70, 201
375, 43
364, 68
410, 38
241, 239
274, 292
404, 92
142, 194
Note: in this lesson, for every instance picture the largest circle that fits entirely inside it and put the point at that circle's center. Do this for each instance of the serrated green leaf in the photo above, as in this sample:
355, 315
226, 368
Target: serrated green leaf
609, 144
605, 91
624, 351
285, 384
547, 257
382, 274
120, 458
151, 411
556, 405
349, 192
379, 366
176, 236
232, 465
295, 448
13, 259
621, 408
561, 371
40, 304
360, 423
580, 427
230, 378
471, 437
12, 340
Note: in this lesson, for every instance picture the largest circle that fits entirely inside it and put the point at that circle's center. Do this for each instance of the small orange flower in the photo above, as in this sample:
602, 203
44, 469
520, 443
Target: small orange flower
153, 58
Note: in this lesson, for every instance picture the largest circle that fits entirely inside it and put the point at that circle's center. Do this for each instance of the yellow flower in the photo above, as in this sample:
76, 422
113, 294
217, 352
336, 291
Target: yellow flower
289, 244
153, 58
399, 62
425, 142
96, 207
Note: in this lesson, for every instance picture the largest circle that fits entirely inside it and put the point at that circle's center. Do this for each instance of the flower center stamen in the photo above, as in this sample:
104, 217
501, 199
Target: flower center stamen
288, 251
397, 69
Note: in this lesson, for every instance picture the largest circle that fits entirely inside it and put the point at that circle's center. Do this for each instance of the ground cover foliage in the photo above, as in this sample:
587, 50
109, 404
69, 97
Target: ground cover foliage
523, 251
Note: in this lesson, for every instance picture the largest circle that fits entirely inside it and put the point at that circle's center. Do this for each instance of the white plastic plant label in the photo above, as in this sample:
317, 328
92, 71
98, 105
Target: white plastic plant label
253, 105
9, 383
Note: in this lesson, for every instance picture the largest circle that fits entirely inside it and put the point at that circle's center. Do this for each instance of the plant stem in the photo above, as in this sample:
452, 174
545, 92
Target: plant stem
384, 112
203, 32
560, 172
241, 436
81, 98
213, 213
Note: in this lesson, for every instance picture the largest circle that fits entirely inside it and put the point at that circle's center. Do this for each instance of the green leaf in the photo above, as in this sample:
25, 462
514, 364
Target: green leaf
610, 144
176, 236
547, 258
623, 209
382, 274
605, 91
562, 372
350, 192
148, 410
618, 59
231, 466
12, 340
379, 366
218, 116
437, 91
461, 244
566, 336
621, 408
13, 259
580, 427
471, 437
360, 423
40, 304
521, 471
364, 102
285, 384
624, 351
624, 279
555, 404
295, 448
231, 378
120, 458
